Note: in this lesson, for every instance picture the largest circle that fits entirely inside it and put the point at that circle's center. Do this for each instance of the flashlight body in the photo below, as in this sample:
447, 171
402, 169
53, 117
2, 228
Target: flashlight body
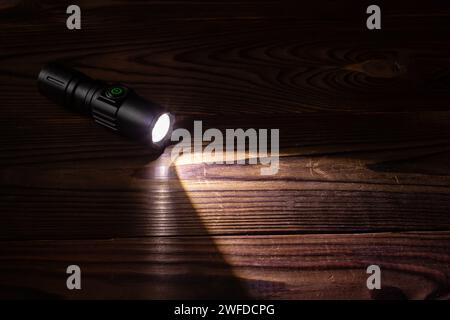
114, 106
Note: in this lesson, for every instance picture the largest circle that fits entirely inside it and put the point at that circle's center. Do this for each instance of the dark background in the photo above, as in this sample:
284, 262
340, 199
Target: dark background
364, 174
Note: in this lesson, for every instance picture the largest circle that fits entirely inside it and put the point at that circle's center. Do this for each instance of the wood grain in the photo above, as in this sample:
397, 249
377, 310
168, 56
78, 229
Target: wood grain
286, 61
327, 193
415, 266
364, 174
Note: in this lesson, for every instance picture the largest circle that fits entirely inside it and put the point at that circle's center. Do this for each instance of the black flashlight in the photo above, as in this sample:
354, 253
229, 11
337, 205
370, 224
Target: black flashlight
114, 106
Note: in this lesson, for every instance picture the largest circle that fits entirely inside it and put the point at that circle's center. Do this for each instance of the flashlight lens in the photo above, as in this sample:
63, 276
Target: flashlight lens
161, 128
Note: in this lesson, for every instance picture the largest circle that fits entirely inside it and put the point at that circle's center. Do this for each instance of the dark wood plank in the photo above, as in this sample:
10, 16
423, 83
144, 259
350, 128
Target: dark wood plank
219, 60
414, 265
338, 173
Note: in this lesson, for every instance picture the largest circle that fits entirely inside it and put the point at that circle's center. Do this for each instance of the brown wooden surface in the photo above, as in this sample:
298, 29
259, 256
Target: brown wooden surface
364, 174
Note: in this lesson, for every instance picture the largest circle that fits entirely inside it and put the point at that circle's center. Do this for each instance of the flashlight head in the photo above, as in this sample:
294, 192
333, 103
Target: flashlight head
161, 128
114, 106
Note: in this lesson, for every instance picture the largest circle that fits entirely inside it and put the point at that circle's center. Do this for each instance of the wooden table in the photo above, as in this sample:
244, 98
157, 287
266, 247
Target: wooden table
364, 177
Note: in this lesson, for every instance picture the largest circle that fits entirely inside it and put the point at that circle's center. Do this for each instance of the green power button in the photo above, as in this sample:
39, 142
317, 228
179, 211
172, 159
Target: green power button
116, 92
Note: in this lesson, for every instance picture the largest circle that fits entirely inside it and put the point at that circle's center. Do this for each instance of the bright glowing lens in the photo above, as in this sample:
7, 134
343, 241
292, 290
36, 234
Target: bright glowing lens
161, 128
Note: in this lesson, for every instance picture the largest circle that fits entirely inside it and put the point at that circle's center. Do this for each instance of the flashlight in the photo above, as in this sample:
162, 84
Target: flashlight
112, 105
